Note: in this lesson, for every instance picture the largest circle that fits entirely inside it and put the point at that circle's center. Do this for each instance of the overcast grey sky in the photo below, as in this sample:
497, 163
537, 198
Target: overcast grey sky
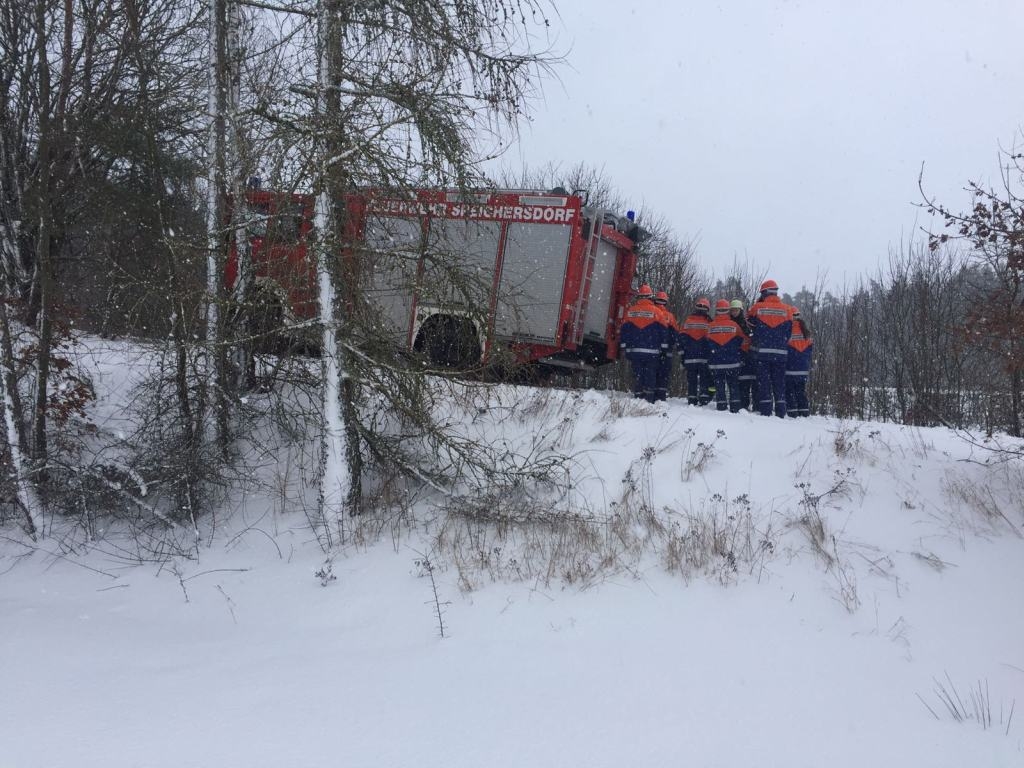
791, 133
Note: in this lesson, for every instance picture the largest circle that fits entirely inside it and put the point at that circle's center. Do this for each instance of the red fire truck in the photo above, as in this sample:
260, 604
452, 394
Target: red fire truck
543, 275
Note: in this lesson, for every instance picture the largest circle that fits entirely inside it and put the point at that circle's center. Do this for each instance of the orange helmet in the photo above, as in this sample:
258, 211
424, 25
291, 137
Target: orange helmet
769, 286
645, 292
721, 306
703, 303
661, 298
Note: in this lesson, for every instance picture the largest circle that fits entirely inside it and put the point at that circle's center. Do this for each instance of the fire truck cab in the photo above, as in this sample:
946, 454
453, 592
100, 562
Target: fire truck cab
455, 275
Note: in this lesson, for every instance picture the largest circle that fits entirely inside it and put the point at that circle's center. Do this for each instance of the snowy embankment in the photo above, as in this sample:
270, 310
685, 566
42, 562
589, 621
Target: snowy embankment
729, 590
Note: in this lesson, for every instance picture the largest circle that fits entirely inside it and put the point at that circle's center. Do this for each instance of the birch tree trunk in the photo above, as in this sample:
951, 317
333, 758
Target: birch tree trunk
10, 401
216, 353
241, 354
44, 244
340, 481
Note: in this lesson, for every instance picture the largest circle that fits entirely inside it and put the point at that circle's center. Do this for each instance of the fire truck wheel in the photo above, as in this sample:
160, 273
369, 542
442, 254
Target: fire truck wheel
449, 342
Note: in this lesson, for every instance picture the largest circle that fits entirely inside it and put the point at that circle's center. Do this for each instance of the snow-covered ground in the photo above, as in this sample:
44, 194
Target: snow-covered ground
708, 619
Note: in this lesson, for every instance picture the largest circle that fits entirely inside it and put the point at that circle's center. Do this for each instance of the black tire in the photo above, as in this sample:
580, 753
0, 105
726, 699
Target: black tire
449, 342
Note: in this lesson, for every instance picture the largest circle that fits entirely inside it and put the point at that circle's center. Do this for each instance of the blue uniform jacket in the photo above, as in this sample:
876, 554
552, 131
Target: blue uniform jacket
771, 323
725, 341
691, 349
801, 349
643, 332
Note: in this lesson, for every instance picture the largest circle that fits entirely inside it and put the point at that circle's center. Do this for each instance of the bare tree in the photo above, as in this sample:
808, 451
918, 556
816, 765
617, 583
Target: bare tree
398, 98
103, 166
341, 460
97, 107
921, 311
220, 90
993, 232
10, 402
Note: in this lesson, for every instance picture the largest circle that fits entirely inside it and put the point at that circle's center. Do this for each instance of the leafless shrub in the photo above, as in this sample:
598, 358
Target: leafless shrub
326, 573
847, 443
897, 633
810, 520
426, 568
720, 540
392, 511
502, 537
824, 543
636, 528
931, 560
812, 524
538, 402
523, 544
982, 501
628, 407
846, 581
127, 541
919, 446
514, 535
697, 457
975, 706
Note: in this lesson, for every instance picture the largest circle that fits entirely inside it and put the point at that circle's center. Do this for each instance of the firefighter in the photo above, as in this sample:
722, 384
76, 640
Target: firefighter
798, 367
738, 316
771, 322
725, 339
644, 340
748, 371
664, 378
693, 351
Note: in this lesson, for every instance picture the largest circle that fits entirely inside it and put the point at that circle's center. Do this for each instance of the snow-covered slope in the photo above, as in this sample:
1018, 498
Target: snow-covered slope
731, 591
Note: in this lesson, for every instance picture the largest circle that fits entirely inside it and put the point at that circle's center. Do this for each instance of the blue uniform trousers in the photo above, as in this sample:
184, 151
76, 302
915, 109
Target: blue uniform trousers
796, 394
645, 374
664, 378
748, 381
727, 389
747, 388
771, 385
698, 382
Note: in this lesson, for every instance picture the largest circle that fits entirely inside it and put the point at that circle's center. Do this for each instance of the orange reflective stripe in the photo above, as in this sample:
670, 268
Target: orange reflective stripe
724, 331
695, 326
